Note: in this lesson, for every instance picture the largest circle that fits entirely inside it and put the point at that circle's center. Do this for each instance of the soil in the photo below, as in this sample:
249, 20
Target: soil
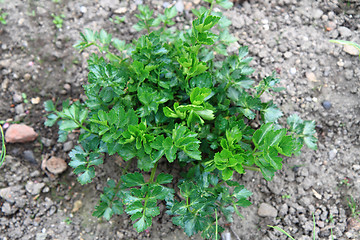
287, 36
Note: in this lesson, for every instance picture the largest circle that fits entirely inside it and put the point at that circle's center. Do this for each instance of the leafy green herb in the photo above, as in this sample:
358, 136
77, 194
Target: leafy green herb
166, 95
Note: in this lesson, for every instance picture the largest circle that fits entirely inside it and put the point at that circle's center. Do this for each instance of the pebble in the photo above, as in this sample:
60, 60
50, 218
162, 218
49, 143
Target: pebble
179, 5
46, 141
35, 173
20, 133
67, 87
55, 165
52, 210
356, 167
5, 84
311, 76
29, 156
351, 50
83, 9
349, 74
27, 76
283, 210
344, 31
332, 154
316, 194
329, 26
77, 205
21, 21
35, 100
166, 4
46, 189
19, 109
266, 210
17, 98
317, 13
288, 55
292, 71
34, 188
7, 209
41, 236
68, 146
326, 104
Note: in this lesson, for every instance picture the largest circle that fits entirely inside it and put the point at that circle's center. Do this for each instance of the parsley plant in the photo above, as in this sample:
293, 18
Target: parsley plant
179, 96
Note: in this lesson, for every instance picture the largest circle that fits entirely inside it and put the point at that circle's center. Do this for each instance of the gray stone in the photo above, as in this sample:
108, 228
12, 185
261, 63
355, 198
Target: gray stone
305, 201
17, 98
332, 154
317, 13
344, 31
34, 188
11, 193
288, 54
29, 156
292, 71
46, 141
41, 236
283, 210
179, 5
19, 109
308, 182
349, 74
266, 210
7, 209
326, 104
68, 146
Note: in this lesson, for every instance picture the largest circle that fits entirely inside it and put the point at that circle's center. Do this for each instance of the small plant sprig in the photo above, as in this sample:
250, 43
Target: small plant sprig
58, 20
3, 17
165, 97
354, 207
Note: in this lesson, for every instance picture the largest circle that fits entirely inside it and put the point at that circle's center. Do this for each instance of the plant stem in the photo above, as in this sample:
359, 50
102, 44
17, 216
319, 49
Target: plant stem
211, 6
117, 187
256, 169
3, 147
153, 171
217, 225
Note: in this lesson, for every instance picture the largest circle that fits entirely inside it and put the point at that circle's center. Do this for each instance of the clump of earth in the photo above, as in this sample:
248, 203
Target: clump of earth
290, 37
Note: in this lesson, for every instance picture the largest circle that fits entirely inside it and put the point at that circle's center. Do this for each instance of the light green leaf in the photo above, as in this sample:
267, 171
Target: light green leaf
259, 135
311, 141
272, 114
67, 125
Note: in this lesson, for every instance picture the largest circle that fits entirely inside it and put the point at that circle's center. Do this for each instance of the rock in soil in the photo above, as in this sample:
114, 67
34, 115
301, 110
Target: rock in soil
266, 210
20, 133
34, 188
54, 165
29, 156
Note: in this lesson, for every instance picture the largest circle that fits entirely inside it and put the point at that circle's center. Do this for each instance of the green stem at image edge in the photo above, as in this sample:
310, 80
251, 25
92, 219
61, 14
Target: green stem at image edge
3, 148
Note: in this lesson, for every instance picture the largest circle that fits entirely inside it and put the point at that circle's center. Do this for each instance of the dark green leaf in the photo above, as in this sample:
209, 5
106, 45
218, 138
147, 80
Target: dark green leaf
133, 179
49, 106
163, 178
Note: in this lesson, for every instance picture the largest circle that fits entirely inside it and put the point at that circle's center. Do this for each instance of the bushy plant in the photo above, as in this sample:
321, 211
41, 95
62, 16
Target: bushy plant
177, 95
